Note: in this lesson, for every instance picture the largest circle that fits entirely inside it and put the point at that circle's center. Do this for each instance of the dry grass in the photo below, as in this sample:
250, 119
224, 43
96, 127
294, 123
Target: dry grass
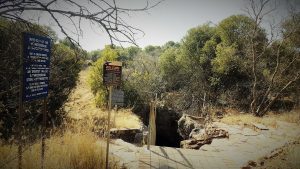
76, 145
81, 106
69, 151
125, 119
233, 117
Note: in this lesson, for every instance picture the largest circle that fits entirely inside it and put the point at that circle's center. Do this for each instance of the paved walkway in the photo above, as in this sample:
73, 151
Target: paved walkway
243, 144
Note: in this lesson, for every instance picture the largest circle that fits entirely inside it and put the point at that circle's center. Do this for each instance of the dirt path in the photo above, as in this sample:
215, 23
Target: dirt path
81, 101
81, 105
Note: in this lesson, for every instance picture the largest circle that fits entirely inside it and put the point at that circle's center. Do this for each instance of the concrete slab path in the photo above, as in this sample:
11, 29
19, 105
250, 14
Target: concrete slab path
243, 145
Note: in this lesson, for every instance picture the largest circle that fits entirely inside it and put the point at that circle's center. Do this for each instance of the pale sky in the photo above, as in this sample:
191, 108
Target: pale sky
170, 20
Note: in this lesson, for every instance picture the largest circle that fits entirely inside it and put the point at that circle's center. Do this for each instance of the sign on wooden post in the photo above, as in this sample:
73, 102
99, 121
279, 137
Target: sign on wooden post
34, 79
112, 76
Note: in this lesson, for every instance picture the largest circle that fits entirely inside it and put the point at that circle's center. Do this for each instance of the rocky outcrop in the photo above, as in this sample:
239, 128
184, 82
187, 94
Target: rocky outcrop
187, 123
200, 137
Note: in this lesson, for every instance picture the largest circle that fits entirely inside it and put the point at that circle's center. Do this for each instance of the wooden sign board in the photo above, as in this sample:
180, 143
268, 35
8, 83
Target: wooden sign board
112, 73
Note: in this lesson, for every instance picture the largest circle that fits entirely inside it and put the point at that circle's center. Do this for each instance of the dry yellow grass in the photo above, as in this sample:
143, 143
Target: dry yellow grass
124, 118
67, 151
81, 106
76, 145
268, 120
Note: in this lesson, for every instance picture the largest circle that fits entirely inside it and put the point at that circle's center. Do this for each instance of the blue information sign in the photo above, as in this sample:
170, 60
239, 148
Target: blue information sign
36, 66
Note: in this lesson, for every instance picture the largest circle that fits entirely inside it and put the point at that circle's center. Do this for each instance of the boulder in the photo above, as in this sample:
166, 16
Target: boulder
187, 123
196, 131
200, 137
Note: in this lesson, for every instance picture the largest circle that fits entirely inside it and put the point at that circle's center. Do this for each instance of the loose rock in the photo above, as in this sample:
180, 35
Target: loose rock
204, 136
187, 123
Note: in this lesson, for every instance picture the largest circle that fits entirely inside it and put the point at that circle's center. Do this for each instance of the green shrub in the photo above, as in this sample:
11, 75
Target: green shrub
96, 75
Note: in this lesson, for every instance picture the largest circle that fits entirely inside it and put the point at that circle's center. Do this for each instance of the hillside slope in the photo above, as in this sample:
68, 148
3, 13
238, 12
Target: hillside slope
81, 105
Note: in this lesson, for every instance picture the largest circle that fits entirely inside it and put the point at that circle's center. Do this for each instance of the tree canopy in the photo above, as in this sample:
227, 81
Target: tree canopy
212, 65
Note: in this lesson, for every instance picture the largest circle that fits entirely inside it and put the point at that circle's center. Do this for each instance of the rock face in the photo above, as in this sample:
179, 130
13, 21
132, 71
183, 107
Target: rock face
203, 136
187, 123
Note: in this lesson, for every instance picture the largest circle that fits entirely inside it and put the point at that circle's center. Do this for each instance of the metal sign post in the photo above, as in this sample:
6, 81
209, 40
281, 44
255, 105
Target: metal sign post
112, 72
34, 80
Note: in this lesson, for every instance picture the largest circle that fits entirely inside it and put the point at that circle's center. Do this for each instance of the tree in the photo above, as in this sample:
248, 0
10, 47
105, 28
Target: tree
236, 30
230, 79
226, 59
170, 44
194, 62
291, 32
142, 79
152, 50
107, 15
170, 69
265, 93
94, 55
291, 29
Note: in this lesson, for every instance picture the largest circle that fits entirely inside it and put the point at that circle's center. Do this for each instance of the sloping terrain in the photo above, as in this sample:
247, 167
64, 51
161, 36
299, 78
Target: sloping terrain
81, 105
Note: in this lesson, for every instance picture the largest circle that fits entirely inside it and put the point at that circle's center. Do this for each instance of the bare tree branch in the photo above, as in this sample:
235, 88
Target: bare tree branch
260, 104
107, 14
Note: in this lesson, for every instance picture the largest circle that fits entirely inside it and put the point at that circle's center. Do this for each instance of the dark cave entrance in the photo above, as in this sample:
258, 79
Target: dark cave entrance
166, 125
166, 128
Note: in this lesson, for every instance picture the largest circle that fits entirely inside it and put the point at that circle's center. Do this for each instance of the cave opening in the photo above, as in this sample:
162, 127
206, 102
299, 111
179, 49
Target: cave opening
166, 128
166, 125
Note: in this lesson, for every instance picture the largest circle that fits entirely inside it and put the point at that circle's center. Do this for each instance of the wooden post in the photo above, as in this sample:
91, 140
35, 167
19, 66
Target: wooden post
152, 125
20, 112
20, 120
108, 126
44, 127
115, 114
148, 139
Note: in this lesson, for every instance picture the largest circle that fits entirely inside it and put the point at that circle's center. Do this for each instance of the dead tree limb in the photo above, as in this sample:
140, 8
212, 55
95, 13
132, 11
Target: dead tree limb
105, 13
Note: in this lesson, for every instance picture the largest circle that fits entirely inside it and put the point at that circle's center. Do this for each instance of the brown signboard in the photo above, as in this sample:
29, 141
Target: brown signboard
112, 73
